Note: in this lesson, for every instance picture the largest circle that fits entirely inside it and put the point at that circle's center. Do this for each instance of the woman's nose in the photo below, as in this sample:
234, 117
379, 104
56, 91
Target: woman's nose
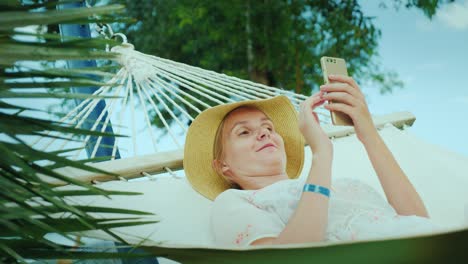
264, 133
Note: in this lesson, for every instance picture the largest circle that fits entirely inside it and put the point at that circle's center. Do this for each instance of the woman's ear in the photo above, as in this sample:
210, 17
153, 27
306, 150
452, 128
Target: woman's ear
225, 169
222, 167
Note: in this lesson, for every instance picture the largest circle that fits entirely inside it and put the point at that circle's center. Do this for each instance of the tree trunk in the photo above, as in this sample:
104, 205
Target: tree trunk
248, 31
260, 76
299, 80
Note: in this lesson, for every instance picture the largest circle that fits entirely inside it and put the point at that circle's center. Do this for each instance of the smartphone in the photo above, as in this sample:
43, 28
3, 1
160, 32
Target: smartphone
336, 66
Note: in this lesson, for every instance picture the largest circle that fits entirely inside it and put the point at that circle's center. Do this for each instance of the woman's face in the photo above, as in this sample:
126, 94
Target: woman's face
251, 145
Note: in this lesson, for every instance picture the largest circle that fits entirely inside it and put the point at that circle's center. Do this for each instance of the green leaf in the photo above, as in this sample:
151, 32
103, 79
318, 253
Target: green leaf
11, 106
9, 251
7, 94
67, 73
93, 209
10, 4
67, 43
89, 192
10, 53
11, 20
62, 225
25, 125
77, 83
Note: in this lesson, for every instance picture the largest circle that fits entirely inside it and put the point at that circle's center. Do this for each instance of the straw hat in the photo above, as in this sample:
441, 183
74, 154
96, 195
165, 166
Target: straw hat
200, 140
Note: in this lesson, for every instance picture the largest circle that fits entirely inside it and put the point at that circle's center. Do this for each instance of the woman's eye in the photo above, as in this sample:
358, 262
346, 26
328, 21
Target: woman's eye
244, 132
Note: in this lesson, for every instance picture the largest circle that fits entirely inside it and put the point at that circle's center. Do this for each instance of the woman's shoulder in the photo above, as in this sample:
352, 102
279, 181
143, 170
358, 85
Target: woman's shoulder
230, 195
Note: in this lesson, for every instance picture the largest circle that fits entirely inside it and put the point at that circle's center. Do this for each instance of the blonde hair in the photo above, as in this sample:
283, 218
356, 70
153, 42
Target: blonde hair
218, 148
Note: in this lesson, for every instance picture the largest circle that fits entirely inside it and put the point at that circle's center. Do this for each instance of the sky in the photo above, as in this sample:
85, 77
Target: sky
430, 57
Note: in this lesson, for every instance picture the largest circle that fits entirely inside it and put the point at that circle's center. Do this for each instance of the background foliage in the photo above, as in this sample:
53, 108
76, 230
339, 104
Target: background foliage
278, 43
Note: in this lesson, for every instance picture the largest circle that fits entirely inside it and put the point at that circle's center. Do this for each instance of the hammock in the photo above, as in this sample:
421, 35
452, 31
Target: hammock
151, 88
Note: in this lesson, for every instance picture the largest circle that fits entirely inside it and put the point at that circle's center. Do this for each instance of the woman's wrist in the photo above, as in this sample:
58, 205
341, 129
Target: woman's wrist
324, 152
367, 133
371, 139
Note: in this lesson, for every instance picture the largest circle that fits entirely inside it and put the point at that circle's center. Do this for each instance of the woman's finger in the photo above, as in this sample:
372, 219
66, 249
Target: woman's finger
340, 107
345, 79
319, 103
342, 87
312, 100
308, 106
316, 117
341, 97
316, 97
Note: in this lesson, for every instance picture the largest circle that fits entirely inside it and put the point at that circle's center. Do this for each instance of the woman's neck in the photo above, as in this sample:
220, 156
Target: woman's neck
259, 182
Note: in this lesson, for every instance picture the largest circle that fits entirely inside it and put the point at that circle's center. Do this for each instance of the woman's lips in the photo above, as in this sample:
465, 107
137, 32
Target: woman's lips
266, 146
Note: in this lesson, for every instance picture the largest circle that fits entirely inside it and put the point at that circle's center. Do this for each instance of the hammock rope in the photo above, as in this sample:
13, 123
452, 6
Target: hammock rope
148, 84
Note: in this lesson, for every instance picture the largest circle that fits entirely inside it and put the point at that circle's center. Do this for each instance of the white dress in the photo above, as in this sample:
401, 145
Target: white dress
356, 212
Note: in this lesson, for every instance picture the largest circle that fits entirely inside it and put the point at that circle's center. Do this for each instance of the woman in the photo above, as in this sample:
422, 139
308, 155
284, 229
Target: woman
247, 156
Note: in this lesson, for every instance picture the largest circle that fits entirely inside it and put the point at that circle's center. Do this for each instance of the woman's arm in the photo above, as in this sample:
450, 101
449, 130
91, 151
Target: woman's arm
398, 189
309, 221
396, 185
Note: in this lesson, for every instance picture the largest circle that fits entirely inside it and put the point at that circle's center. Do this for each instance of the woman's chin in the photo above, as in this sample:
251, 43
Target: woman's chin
272, 163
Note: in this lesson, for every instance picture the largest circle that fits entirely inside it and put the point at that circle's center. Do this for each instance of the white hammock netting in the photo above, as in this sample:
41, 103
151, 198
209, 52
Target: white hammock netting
150, 86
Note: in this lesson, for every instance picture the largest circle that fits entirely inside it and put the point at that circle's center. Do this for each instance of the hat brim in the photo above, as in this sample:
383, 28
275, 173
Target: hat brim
199, 143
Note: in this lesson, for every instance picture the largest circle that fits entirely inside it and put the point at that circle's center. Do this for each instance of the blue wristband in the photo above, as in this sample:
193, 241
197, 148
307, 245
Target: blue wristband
316, 188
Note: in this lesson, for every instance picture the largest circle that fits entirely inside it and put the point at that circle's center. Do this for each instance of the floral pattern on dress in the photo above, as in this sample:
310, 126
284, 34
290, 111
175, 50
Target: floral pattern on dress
356, 212
353, 206
243, 235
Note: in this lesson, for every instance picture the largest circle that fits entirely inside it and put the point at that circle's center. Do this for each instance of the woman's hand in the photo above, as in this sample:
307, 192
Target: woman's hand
348, 98
309, 124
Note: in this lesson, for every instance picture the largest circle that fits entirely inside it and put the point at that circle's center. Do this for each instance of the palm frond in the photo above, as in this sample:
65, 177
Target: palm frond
13, 19
31, 207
